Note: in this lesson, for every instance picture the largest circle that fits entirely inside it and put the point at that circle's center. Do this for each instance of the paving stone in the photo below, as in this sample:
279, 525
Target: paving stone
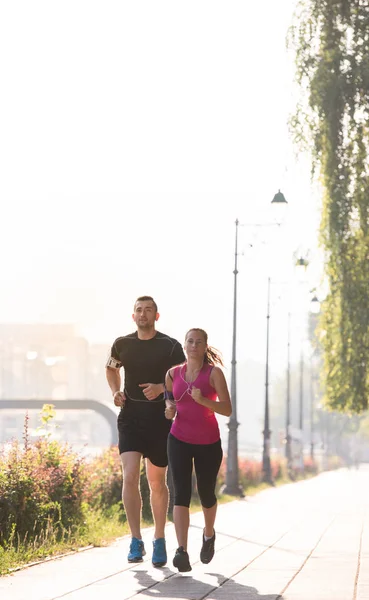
303, 541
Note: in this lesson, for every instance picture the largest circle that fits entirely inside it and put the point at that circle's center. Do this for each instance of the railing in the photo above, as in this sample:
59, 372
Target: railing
80, 404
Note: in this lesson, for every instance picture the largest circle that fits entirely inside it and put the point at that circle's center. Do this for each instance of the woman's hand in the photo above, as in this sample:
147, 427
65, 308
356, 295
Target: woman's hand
170, 410
197, 396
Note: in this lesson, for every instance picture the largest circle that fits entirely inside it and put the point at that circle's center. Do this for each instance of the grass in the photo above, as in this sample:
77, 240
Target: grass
100, 528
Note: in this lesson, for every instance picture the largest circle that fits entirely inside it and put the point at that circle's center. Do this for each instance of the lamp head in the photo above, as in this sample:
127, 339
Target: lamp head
280, 205
302, 262
279, 199
315, 305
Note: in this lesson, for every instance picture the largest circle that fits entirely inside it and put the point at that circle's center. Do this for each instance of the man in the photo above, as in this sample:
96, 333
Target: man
145, 356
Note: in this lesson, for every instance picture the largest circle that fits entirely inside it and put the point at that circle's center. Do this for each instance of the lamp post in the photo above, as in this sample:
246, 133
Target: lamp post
232, 486
302, 263
314, 309
311, 410
267, 471
288, 400
278, 200
301, 403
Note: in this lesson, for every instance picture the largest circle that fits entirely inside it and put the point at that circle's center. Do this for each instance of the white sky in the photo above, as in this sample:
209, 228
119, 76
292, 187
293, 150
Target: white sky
133, 134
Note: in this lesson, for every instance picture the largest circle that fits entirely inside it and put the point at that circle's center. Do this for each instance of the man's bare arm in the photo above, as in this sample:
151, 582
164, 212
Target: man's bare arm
114, 381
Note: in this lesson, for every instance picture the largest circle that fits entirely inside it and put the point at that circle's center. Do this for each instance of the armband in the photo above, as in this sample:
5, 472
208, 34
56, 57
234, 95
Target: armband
112, 363
168, 395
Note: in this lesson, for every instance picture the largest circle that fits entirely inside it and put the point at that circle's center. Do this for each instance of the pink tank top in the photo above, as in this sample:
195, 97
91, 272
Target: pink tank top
194, 424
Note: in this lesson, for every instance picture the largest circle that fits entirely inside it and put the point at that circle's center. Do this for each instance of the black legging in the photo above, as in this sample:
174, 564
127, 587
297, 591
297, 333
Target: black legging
207, 459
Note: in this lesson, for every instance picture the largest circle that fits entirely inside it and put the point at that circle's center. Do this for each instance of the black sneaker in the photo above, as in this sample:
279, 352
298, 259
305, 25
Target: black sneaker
207, 550
181, 560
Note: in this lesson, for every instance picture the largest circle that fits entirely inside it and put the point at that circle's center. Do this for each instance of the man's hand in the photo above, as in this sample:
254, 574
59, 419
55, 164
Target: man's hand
151, 390
119, 398
196, 395
170, 409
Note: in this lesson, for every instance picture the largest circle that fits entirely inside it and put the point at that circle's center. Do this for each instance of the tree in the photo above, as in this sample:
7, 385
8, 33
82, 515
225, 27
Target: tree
331, 42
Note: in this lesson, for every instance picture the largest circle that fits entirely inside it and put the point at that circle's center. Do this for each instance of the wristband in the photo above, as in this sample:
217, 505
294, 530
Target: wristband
117, 392
168, 395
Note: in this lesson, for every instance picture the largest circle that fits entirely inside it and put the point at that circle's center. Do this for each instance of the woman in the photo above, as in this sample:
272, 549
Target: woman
195, 391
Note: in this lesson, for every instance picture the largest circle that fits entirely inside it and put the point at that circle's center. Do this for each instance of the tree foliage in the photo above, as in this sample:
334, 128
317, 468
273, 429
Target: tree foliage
331, 43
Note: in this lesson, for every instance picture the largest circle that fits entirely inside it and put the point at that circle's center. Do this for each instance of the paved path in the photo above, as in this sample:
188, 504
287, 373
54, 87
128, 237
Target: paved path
304, 541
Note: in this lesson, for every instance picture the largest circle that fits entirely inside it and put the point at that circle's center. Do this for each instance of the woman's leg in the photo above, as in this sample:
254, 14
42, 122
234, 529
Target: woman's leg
208, 459
180, 460
181, 516
209, 518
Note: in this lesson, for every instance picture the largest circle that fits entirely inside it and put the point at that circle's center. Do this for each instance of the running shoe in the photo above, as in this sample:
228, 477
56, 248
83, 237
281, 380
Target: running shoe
136, 550
207, 550
159, 555
181, 560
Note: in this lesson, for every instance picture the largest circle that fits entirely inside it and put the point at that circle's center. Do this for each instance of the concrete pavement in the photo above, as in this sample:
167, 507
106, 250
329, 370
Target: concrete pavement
302, 541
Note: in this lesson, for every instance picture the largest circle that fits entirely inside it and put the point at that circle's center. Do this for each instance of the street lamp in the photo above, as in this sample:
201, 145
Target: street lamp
232, 486
288, 438
301, 412
312, 393
267, 471
280, 201
314, 309
288, 400
315, 305
266, 465
302, 263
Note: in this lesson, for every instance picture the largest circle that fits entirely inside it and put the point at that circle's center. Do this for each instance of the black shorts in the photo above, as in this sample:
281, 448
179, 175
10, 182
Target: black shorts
148, 437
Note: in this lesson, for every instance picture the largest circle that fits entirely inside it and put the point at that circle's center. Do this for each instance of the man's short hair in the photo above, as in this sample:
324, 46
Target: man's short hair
146, 299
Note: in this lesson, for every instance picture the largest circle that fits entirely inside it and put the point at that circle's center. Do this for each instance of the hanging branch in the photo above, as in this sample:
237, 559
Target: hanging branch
331, 43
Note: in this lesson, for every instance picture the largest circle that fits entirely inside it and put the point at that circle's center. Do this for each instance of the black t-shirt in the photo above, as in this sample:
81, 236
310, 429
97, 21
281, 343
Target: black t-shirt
145, 361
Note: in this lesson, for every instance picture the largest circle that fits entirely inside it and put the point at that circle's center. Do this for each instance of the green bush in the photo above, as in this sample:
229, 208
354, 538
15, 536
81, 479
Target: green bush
251, 475
104, 483
103, 480
249, 472
310, 466
40, 485
335, 462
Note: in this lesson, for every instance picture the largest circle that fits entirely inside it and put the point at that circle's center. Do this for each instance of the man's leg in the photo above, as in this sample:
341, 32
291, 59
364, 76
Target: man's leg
131, 462
159, 496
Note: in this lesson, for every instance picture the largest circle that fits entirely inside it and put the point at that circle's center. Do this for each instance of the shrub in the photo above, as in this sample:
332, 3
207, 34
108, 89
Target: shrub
104, 480
251, 474
104, 483
310, 466
46, 489
39, 485
335, 462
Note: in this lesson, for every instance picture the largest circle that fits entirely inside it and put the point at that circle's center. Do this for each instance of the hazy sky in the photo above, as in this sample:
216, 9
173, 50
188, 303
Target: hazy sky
133, 134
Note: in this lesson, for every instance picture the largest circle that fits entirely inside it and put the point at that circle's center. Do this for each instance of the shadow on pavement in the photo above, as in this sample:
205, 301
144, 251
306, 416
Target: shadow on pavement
185, 586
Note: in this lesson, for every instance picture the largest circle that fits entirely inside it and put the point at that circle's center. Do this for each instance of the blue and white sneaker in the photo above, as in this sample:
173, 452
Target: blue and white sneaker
159, 555
136, 550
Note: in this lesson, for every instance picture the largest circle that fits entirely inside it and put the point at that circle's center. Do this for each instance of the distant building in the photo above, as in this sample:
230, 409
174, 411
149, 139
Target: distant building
50, 362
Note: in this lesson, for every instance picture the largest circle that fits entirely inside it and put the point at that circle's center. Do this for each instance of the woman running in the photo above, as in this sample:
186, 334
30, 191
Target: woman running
195, 392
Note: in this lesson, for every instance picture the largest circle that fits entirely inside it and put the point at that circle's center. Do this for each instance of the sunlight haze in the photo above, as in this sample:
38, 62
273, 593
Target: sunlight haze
133, 136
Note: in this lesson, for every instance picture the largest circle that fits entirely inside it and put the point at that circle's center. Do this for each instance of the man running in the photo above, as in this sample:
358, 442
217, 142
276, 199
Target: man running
145, 356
